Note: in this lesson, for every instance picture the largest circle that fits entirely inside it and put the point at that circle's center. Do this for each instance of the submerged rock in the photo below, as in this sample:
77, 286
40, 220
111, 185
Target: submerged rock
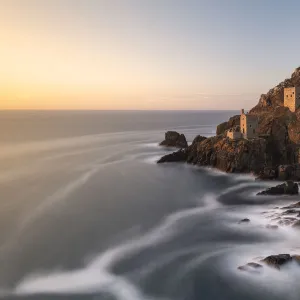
286, 221
251, 267
287, 188
289, 212
294, 205
272, 261
246, 220
270, 226
296, 224
174, 139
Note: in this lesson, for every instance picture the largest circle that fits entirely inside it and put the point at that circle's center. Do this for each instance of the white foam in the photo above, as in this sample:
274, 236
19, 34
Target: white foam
96, 275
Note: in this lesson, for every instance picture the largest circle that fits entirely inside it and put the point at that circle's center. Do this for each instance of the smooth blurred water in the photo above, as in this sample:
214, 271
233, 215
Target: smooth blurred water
86, 213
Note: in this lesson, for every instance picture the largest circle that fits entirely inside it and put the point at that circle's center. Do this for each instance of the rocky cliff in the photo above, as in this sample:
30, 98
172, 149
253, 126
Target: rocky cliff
278, 142
274, 97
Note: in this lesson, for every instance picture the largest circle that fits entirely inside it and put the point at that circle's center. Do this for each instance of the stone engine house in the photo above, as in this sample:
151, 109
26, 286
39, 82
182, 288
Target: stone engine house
247, 129
292, 98
248, 125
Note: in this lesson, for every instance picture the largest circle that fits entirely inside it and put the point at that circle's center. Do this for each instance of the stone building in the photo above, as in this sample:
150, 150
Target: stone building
234, 133
248, 125
292, 98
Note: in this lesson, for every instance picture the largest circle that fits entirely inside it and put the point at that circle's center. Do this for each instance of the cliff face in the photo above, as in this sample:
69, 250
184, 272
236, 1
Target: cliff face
230, 156
274, 96
233, 121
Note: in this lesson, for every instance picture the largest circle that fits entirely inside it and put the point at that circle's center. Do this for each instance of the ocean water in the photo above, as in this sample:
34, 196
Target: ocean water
86, 213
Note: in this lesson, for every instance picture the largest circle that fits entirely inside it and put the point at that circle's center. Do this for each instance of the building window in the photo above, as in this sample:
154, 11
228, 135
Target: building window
253, 130
250, 125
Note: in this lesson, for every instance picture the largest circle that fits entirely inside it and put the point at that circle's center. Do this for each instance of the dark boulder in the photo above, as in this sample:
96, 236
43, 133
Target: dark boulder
277, 261
287, 188
174, 139
246, 220
178, 156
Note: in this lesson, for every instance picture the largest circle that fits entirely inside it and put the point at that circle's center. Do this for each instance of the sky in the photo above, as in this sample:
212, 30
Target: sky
144, 54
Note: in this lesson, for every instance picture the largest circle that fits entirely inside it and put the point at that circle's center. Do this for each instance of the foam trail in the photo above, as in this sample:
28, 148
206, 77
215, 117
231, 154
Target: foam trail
96, 276
161, 233
82, 281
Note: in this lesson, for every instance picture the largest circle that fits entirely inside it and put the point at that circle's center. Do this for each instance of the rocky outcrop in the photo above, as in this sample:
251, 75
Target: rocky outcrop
287, 188
231, 156
233, 121
177, 156
275, 154
274, 96
272, 261
224, 154
277, 261
174, 139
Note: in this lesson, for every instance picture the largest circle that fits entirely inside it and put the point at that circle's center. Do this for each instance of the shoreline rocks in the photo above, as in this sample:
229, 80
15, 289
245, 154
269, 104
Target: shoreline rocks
272, 261
274, 154
287, 188
246, 220
178, 156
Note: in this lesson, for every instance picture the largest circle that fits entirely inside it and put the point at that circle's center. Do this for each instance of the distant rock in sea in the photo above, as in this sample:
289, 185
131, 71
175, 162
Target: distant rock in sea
174, 139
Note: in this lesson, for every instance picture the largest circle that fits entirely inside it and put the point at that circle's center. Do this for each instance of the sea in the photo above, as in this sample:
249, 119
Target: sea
87, 213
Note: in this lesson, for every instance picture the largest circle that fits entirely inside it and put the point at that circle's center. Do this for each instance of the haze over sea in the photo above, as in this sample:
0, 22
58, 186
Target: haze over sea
86, 213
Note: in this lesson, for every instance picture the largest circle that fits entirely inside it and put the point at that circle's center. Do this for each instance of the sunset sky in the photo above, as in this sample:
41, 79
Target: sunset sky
144, 54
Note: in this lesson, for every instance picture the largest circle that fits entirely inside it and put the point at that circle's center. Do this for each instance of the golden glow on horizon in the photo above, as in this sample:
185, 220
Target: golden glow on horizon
60, 59
41, 71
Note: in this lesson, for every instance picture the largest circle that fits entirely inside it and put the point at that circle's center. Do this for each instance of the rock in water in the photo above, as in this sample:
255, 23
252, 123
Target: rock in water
174, 139
277, 261
287, 188
251, 267
246, 220
177, 156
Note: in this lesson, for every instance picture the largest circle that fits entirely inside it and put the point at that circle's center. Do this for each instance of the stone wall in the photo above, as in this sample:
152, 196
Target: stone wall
292, 98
